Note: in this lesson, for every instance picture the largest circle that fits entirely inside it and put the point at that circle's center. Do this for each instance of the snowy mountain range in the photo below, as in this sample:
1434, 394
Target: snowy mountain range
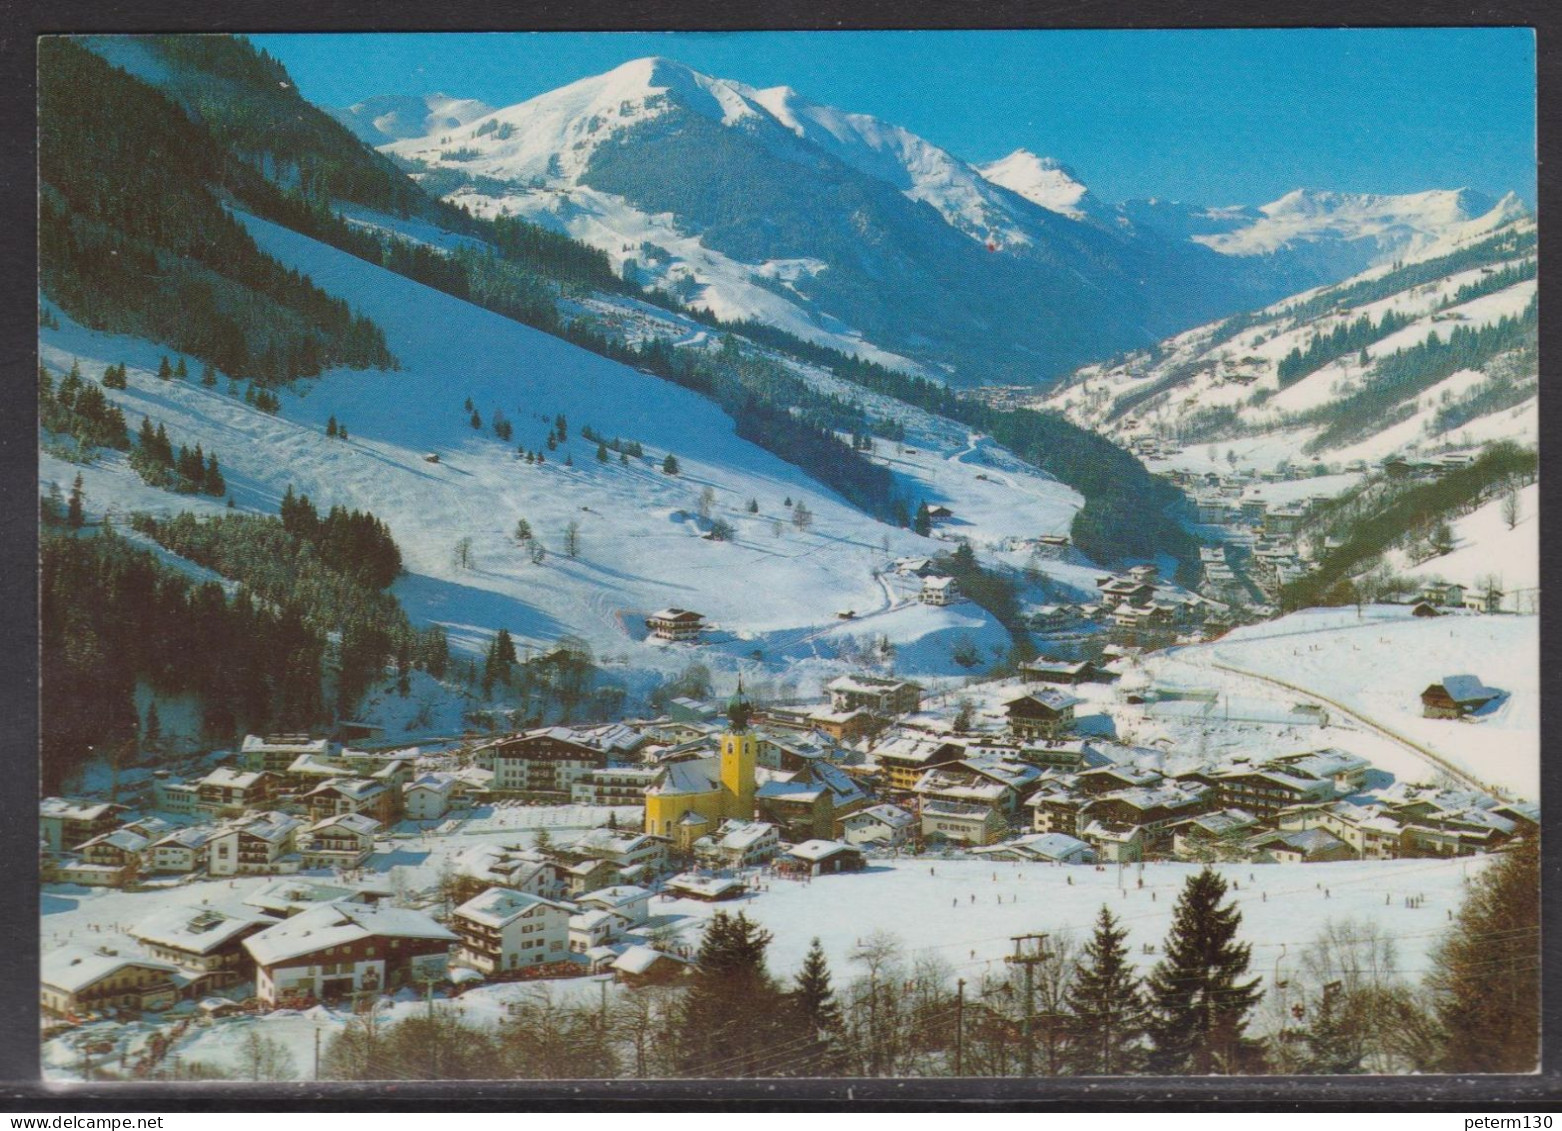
1409, 357
392, 117
857, 233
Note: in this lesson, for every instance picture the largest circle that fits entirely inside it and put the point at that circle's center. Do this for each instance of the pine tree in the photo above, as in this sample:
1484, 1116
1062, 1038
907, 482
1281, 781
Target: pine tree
209, 375
817, 1015
75, 514
1198, 1001
670, 465
330, 426
1485, 977
182, 371
165, 371
477, 420
1105, 1004
923, 522
601, 453
523, 531
731, 1010
152, 732
215, 486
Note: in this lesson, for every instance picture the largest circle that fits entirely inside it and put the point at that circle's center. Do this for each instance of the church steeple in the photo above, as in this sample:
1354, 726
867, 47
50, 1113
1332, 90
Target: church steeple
738, 711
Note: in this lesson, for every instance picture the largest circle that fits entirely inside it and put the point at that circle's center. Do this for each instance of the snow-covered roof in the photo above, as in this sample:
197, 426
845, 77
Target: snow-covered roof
815, 850
60, 808
73, 968
352, 822
640, 959
736, 835
433, 782
229, 778
126, 840
616, 896
197, 929
497, 907
672, 614
359, 789
694, 776
193, 838
291, 893
892, 816
337, 924
1467, 689
272, 827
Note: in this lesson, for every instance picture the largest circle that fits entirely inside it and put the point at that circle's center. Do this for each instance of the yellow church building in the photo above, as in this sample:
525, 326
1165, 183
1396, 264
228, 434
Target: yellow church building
692, 798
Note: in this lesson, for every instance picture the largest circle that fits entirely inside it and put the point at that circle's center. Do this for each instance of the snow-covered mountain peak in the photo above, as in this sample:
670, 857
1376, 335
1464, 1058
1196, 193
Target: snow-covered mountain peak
393, 117
1396, 225
1041, 180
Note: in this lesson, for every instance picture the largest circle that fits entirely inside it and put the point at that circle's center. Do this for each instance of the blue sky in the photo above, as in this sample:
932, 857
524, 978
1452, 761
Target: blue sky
1218, 117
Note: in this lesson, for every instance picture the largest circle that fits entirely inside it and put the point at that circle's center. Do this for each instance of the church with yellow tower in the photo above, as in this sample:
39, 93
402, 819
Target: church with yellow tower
691, 798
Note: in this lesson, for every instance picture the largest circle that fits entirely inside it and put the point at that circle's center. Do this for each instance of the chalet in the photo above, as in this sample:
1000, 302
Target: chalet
821, 858
1220, 835
630, 902
1054, 618
1284, 521
916, 567
520, 869
1467, 831
1155, 615
675, 624
1347, 772
1113, 843
1446, 595
253, 845
338, 949
613, 785
886, 697
969, 823
940, 591
1456, 696
585, 873
591, 930
711, 889
174, 795
76, 979
881, 826
1488, 600
428, 797
111, 859
1058, 671
1264, 792
285, 898
738, 844
1041, 848
846, 726
181, 851
1310, 846
1117, 591
344, 841
987, 781
1371, 832
207, 943
547, 760
938, 512
643, 966
906, 757
380, 800
503, 931
228, 792
274, 753
810, 802
1040, 714
633, 854
1153, 810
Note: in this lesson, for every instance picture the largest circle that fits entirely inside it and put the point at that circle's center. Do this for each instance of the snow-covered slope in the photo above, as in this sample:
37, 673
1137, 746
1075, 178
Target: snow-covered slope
773, 592
1219, 387
392, 117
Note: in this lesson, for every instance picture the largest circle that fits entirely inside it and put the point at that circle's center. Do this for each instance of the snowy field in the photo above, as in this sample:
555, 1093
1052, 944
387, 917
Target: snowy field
960, 913
1378, 666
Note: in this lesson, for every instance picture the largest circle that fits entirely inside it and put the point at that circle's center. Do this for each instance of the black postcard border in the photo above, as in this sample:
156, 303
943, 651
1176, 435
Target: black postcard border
20, 1086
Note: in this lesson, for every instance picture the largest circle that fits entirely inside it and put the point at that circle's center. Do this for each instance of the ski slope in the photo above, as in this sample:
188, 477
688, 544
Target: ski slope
639, 530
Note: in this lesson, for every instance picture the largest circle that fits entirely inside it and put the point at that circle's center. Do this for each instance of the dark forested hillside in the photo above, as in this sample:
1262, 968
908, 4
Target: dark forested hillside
134, 238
